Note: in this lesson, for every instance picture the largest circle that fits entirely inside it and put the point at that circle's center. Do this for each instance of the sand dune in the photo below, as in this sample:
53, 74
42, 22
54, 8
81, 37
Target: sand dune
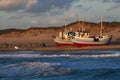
37, 36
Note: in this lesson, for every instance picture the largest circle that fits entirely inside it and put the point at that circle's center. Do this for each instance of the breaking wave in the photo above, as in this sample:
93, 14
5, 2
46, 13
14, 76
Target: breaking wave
59, 55
32, 69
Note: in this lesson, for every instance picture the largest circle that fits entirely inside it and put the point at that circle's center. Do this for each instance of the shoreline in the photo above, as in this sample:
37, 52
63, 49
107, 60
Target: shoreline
69, 48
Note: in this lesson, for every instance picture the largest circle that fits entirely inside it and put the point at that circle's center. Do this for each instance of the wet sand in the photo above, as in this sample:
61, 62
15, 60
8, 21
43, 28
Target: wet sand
104, 47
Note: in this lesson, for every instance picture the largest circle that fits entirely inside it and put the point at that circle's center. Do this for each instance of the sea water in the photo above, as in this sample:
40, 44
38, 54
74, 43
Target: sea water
60, 65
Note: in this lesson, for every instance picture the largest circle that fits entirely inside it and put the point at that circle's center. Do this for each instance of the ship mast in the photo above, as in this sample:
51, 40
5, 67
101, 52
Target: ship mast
65, 24
101, 28
80, 28
80, 25
83, 25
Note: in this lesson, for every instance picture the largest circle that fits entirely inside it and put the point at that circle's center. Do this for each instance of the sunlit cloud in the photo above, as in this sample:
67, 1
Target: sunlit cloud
34, 22
31, 3
13, 5
53, 21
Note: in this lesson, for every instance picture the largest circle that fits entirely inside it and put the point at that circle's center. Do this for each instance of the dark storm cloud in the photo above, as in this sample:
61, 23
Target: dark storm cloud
47, 5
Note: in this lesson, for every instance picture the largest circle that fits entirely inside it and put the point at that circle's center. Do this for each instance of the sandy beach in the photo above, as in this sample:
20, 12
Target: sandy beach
104, 47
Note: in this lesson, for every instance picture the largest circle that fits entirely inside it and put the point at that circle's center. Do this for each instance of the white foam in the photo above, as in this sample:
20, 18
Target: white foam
32, 69
96, 56
62, 55
30, 55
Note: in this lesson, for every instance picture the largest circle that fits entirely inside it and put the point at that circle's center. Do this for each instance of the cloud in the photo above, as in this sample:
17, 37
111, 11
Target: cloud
34, 22
79, 6
116, 1
48, 5
83, 8
116, 6
31, 3
34, 6
73, 15
12, 5
111, 18
53, 21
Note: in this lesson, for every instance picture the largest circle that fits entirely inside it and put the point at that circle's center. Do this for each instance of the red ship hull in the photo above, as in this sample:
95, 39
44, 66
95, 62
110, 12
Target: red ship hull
85, 45
63, 44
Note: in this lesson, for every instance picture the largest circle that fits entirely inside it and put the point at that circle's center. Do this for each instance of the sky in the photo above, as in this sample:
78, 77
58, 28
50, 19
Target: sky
23, 14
